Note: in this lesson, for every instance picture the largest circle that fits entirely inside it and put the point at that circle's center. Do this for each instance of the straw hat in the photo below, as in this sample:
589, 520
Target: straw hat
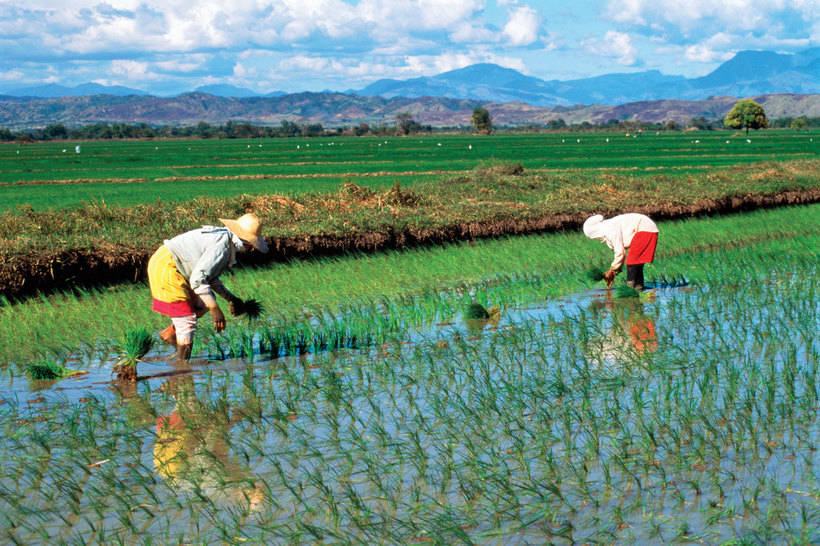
247, 227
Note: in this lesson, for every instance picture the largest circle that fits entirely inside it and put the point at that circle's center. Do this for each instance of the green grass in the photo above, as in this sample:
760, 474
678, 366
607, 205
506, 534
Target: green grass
294, 166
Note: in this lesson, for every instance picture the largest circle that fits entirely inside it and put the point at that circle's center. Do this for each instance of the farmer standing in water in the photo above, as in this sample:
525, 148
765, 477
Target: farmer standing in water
184, 275
630, 232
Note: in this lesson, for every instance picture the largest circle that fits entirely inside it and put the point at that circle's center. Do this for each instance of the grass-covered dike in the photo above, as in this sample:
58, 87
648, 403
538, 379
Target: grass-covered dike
81, 246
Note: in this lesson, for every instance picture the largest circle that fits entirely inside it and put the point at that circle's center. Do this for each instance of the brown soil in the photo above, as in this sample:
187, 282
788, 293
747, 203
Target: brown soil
126, 372
24, 276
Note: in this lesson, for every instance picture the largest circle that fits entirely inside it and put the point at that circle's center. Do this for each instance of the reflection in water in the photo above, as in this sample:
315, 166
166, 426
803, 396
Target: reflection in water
192, 446
630, 331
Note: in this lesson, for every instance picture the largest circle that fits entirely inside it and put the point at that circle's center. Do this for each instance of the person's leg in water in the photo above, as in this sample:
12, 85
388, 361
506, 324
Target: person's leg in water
185, 328
634, 276
184, 333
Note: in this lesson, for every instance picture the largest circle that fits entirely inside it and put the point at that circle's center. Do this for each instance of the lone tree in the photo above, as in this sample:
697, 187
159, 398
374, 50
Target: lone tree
482, 121
405, 124
746, 114
798, 124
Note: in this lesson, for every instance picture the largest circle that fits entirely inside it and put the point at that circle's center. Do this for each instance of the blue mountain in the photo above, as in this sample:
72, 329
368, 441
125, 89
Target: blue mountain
226, 90
53, 90
747, 73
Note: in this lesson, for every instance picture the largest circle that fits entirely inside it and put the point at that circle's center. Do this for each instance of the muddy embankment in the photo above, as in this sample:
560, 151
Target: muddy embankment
27, 276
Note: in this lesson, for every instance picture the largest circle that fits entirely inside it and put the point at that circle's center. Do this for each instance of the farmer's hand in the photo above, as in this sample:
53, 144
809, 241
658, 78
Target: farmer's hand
218, 317
609, 277
237, 306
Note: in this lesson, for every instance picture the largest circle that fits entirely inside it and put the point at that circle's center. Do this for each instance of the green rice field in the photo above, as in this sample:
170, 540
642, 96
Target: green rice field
54, 175
365, 406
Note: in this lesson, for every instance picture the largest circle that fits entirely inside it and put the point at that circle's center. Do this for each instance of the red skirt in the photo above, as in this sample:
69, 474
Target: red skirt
642, 248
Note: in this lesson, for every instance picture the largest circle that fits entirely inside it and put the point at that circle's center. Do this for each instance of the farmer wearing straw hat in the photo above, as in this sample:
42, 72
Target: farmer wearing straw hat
184, 275
634, 233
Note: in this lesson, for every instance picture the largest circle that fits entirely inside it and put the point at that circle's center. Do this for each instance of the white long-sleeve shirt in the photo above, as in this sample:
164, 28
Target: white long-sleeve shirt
617, 232
201, 255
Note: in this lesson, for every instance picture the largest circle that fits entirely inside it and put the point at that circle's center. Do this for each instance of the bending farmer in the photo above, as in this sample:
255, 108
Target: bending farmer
633, 232
184, 275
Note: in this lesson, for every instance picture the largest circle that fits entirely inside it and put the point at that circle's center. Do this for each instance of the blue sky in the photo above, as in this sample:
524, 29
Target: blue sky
170, 46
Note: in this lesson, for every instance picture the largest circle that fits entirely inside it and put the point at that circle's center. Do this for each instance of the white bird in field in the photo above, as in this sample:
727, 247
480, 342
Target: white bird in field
727, 142
578, 140
298, 147
63, 150
470, 147
439, 143
748, 141
607, 140
77, 149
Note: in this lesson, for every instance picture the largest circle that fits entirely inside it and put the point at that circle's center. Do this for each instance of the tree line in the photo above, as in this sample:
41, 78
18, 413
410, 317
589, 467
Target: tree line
405, 125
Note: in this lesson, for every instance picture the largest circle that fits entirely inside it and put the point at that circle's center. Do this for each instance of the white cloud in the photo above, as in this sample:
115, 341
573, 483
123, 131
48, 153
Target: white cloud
614, 44
701, 53
11, 75
132, 70
522, 27
695, 16
187, 63
472, 32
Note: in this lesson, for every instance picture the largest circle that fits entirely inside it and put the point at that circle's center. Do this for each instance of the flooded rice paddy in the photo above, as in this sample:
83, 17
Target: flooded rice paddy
688, 414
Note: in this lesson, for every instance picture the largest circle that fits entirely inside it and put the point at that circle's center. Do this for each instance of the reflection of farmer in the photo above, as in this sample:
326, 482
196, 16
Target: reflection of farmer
184, 274
632, 331
633, 232
191, 449
642, 334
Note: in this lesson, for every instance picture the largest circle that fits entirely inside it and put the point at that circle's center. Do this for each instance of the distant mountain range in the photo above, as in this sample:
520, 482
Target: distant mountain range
747, 73
340, 109
787, 85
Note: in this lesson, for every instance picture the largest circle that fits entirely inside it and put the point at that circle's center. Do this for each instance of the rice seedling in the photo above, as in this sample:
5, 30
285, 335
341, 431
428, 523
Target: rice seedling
48, 370
595, 274
476, 311
550, 425
250, 308
135, 345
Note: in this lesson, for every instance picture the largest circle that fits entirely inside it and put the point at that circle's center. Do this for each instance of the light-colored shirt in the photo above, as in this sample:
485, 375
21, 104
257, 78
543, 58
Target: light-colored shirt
617, 232
201, 256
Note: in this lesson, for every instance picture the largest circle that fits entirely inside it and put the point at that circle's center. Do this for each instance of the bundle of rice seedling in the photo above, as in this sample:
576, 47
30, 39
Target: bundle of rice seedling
135, 344
48, 369
625, 291
595, 274
252, 308
476, 311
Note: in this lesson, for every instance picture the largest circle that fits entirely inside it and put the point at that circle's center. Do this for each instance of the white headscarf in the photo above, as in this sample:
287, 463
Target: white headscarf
593, 228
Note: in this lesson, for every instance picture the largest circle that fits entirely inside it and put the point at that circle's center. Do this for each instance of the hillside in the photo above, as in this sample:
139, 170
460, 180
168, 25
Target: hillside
339, 109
